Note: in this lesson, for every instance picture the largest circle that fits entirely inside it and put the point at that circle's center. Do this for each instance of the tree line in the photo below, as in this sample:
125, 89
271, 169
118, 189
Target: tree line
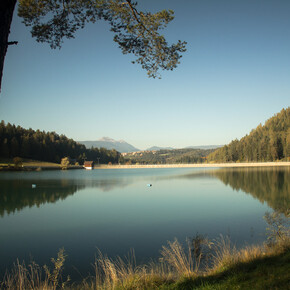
270, 142
16, 141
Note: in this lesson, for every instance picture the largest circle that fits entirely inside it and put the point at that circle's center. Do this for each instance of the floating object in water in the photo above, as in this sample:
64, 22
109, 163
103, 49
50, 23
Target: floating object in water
33, 186
149, 184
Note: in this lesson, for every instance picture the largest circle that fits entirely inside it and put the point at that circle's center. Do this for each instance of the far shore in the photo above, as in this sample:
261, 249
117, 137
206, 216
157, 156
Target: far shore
37, 166
199, 165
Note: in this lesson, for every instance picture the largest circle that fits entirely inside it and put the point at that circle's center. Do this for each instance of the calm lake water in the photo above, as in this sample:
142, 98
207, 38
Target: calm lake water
115, 211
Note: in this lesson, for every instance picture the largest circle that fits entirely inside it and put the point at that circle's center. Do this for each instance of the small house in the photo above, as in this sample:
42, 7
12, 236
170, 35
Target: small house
89, 165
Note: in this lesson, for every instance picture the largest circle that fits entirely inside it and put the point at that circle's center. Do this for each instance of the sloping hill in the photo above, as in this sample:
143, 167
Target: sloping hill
109, 143
16, 141
156, 148
270, 142
173, 156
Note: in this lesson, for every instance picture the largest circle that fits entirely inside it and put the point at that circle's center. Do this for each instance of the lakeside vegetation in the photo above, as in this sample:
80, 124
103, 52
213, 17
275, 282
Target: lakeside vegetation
270, 142
203, 264
16, 141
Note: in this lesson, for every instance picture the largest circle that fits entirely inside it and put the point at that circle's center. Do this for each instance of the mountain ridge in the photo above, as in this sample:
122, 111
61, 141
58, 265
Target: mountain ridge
124, 147
109, 143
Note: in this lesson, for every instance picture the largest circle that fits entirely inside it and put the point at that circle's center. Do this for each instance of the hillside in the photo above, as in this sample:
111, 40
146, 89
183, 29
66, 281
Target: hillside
109, 143
16, 141
205, 147
168, 156
156, 148
269, 142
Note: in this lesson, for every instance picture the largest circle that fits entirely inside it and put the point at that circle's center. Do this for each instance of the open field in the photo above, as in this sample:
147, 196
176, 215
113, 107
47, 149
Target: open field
202, 165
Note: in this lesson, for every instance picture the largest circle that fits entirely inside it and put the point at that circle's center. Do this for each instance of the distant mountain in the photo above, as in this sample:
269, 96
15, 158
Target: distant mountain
109, 143
16, 141
156, 148
205, 147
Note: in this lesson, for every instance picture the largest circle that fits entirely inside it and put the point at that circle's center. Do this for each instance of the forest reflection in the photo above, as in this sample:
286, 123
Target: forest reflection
18, 194
270, 185
15, 195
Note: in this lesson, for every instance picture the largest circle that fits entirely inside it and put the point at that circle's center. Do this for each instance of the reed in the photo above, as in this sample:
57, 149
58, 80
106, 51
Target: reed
35, 277
178, 267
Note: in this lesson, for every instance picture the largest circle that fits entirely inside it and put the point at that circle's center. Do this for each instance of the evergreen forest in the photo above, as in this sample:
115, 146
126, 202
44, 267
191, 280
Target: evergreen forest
270, 142
16, 141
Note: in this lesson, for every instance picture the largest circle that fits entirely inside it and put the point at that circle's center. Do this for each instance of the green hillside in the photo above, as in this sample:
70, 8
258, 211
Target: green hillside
270, 142
166, 156
16, 141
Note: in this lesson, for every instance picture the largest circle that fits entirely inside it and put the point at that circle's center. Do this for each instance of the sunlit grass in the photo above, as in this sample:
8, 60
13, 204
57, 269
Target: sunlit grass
202, 264
35, 277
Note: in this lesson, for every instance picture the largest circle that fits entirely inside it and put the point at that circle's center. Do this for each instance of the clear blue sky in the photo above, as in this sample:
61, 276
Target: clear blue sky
234, 75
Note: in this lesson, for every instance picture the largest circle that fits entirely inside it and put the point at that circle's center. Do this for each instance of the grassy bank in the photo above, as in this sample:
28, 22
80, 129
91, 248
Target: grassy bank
32, 165
202, 264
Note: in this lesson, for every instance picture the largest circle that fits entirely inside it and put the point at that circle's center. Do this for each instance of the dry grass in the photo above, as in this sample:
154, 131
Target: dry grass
180, 262
226, 255
35, 277
176, 264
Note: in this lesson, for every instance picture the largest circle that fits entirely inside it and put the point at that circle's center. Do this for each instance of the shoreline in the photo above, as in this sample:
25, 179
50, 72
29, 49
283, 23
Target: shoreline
39, 167
28, 168
196, 165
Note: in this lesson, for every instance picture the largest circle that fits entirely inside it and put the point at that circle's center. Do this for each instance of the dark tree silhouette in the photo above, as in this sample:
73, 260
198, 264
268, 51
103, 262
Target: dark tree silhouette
135, 32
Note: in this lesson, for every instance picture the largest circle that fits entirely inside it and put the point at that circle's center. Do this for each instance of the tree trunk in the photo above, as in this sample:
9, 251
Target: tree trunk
6, 14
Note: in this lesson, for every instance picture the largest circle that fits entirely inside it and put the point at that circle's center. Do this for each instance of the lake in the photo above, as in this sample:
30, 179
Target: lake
115, 211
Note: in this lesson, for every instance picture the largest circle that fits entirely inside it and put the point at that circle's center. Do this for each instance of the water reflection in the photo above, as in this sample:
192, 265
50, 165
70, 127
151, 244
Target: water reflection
18, 194
114, 210
270, 185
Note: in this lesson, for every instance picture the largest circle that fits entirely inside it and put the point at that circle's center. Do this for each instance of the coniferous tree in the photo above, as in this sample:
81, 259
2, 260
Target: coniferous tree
39, 145
270, 142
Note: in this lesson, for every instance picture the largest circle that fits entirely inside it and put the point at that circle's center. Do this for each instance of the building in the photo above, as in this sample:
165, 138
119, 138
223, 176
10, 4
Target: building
89, 165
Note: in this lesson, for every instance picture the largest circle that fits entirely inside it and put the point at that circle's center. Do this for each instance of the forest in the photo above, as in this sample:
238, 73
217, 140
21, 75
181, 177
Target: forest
270, 142
16, 141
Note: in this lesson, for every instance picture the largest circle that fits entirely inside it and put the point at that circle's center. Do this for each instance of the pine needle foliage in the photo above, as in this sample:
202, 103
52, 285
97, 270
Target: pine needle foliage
136, 32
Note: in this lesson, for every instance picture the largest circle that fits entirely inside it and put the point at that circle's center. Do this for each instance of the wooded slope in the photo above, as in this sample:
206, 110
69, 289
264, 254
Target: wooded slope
47, 146
270, 142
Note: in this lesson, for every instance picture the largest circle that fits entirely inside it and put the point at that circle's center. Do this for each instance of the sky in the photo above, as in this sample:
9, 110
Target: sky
233, 76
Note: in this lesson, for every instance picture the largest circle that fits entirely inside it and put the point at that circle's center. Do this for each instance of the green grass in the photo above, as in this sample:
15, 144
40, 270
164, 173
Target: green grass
27, 162
263, 273
270, 270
